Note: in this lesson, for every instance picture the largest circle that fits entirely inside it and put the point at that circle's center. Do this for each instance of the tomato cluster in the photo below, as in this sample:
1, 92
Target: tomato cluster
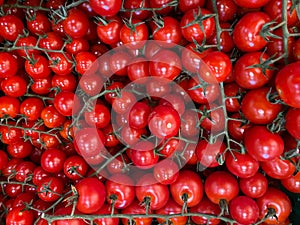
137, 111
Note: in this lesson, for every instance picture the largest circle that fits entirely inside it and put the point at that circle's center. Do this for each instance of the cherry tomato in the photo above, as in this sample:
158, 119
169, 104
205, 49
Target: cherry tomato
246, 33
292, 183
262, 144
188, 188
287, 84
244, 210
120, 190
20, 216
276, 200
106, 7
8, 65
255, 186
10, 27
91, 195
50, 189
148, 189
278, 168
221, 185
190, 27
166, 171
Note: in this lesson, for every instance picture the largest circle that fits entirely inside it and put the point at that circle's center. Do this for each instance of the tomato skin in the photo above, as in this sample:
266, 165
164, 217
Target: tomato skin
9, 106
85, 62
99, 117
194, 31
138, 13
220, 66
109, 33
120, 186
278, 168
66, 82
251, 3
164, 121
76, 23
19, 216
263, 145
148, 187
192, 188
170, 32
274, 9
8, 65
38, 24
52, 160
15, 86
292, 124
246, 32
92, 193
186, 5
51, 41
207, 153
10, 27
138, 115
205, 206
168, 69
227, 9
66, 103
244, 210
257, 108
255, 186
134, 39
3, 159
106, 7
106, 209
55, 186
166, 171
89, 142
172, 208
24, 170
279, 201
75, 163
51, 117
31, 107
60, 63
136, 208
241, 165
221, 185
38, 68
287, 84
251, 78
292, 183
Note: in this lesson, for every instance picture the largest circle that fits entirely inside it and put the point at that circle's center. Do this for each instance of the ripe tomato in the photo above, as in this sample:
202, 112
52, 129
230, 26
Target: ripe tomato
164, 121
136, 208
66, 103
38, 23
31, 107
76, 23
9, 106
278, 168
106, 7
52, 160
206, 207
244, 210
67, 211
292, 183
86, 63
149, 191
172, 208
10, 27
60, 63
187, 188
186, 5
8, 65
278, 202
29, 44
227, 9
89, 142
143, 155
134, 34
24, 170
20, 216
108, 31
241, 165
138, 115
221, 185
212, 118
165, 64
166, 29
291, 122
246, 33
262, 144
51, 41
75, 167
208, 153
249, 77
51, 117
288, 83
15, 86
105, 210
99, 116
38, 67
3, 159
50, 189
41, 86
91, 195
120, 190
251, 3
66, 82
190, 27
255, 186
257, 108
219, 64
166, 171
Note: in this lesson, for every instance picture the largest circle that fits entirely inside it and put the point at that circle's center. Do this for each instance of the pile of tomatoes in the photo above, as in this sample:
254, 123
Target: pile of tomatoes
149, 111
